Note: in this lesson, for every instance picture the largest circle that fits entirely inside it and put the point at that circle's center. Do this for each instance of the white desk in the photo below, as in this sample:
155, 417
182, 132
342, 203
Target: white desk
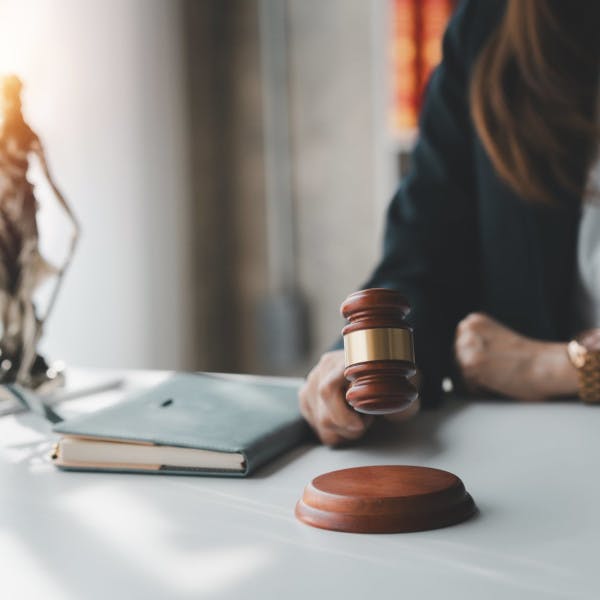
534, 471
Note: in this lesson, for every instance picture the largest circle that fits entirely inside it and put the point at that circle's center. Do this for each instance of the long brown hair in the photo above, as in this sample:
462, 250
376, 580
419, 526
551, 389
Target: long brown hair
534, 95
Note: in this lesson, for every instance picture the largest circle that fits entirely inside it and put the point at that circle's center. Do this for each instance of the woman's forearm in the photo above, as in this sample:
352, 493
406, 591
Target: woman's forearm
495, 358
553, 371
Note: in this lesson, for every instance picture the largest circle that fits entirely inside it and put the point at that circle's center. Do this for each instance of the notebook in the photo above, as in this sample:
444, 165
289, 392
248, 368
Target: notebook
191, 424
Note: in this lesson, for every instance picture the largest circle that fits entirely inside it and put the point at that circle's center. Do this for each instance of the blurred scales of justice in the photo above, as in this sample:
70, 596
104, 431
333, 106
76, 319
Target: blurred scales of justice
27, 278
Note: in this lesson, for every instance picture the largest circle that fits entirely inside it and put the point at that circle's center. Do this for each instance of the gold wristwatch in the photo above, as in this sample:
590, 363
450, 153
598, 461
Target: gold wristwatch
584, 353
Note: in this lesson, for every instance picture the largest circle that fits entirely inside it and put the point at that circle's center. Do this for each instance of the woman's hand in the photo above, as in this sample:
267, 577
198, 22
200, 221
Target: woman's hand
495, 358
323, 403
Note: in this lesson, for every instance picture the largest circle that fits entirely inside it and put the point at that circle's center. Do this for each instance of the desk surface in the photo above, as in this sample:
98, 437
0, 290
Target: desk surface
532, 469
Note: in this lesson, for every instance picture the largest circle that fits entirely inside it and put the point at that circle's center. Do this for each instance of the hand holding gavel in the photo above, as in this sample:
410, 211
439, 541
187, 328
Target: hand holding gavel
378, 362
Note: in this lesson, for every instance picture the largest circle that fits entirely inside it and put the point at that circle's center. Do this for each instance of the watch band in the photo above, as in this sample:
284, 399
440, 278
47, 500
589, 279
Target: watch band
587, 363
589, 378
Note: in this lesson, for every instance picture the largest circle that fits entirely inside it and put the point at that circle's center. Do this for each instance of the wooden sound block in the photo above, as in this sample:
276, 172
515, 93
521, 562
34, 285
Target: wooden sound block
385, 499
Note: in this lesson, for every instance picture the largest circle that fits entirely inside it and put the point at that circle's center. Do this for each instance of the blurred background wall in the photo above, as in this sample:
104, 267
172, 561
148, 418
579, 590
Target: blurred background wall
335, 213
230, 162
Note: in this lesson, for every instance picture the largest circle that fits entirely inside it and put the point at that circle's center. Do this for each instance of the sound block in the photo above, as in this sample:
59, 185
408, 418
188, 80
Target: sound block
385, 499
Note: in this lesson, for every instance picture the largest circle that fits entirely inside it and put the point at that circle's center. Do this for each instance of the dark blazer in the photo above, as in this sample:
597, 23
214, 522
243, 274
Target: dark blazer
457, 238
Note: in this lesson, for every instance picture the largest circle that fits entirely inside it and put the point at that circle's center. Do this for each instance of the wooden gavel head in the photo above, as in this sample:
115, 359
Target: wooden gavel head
379, 353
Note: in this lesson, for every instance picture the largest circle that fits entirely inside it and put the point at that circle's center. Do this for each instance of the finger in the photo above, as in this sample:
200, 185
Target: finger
476, 321
333, 405
326, 433
469, 338
331, 438
326, 424
331, 435
469, 351
354, 434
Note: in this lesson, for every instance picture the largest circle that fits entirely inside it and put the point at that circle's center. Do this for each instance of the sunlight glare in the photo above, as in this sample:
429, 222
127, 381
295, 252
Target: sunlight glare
136, 529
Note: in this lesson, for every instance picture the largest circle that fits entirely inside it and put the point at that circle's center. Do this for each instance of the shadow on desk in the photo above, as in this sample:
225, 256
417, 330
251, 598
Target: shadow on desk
422, 434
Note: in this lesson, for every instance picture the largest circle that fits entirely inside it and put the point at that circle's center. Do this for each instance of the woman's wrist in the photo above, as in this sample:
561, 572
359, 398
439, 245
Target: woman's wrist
552, 372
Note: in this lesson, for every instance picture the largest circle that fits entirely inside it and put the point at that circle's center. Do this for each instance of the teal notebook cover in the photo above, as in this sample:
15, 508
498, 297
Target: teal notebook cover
259, 420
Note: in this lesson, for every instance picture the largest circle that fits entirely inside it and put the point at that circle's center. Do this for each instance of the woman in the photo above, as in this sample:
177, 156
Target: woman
483, 235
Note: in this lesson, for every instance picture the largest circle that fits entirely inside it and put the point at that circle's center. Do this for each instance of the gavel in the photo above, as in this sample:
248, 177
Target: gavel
379, 361
379, 352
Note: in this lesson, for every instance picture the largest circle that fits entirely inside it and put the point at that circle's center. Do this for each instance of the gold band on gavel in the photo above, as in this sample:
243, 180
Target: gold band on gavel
378, 344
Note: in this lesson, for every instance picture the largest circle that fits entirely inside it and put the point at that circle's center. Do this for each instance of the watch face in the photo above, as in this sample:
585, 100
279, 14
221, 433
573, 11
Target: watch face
590, 339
